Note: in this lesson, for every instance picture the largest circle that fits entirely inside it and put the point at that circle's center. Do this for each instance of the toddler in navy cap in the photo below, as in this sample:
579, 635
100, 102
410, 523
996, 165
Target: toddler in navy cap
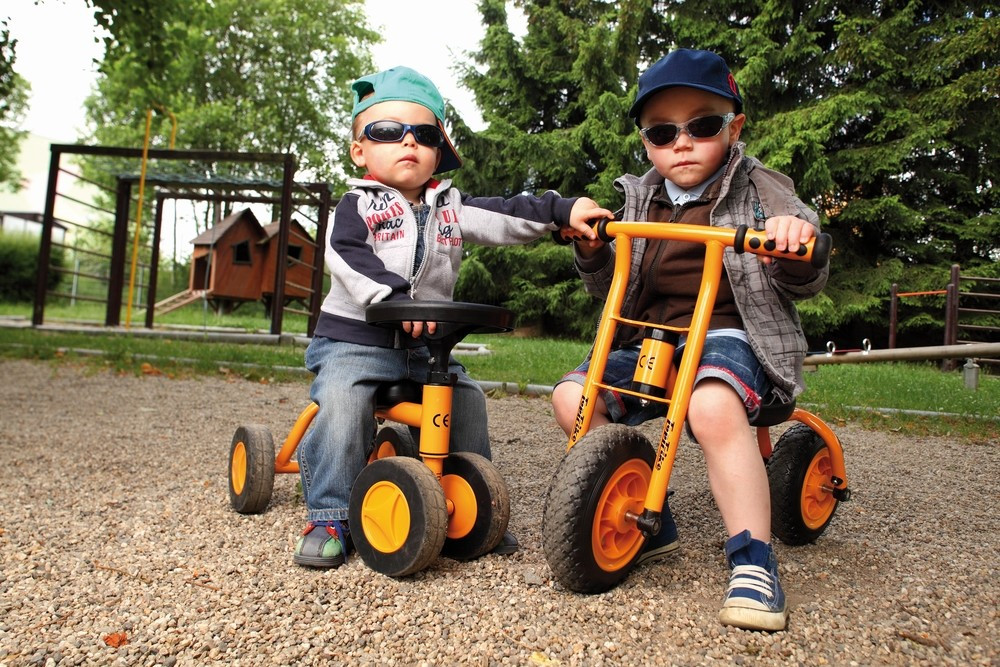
689, 112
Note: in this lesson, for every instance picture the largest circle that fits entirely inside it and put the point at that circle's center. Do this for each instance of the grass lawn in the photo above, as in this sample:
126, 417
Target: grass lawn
838, 393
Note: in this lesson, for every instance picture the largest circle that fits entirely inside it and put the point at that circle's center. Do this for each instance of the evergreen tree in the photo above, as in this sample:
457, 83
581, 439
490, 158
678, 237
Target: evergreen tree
883, 113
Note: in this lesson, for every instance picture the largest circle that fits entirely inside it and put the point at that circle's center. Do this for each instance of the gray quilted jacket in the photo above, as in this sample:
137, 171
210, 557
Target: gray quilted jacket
750, 194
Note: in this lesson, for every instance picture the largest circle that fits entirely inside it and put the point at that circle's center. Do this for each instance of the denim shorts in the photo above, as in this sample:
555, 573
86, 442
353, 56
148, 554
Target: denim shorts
726, 358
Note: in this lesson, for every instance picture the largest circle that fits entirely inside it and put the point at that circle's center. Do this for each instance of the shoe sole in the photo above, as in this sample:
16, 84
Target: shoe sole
658, 554
754, 619
505, 549
318, 561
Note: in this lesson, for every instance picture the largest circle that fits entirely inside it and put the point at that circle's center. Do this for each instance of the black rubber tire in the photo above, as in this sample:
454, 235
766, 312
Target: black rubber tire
393, 440
251, 469
491, 505
573, 502
797, 450
410, 487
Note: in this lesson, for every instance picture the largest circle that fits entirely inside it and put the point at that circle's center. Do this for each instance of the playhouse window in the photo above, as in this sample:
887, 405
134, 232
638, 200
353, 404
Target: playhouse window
241, 252
294, 254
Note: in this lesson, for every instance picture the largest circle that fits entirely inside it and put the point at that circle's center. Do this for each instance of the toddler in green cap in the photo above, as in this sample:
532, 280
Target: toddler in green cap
397, 235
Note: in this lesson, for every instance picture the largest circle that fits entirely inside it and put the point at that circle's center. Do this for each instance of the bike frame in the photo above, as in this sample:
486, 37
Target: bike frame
716, 240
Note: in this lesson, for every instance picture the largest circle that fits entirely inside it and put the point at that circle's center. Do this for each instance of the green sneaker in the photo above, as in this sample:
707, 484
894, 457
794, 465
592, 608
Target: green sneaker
323, 544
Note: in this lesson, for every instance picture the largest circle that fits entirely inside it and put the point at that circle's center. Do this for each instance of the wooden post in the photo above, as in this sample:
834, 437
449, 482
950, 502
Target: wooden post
119, 243
154, 262
893, 314
319, 260
287, 183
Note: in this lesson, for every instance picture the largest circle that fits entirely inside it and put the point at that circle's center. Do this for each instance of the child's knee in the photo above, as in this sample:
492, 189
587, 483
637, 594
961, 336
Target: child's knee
566, 395
715, 406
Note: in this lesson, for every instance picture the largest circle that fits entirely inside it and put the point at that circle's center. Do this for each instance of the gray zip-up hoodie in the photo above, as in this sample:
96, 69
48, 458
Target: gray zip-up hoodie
372, 247
750, 194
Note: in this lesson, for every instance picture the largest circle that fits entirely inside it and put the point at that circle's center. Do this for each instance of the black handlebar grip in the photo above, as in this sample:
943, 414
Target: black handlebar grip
560, 239
821, 250
602, 231
821, 245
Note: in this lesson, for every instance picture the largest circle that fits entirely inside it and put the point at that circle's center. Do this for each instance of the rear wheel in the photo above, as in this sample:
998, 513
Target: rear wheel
588, 542
393, 440
251, 469
480, 505
799, 473
398, 516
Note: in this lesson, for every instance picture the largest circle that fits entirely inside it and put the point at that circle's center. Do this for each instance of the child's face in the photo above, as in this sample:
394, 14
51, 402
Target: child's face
688, 161
406, 164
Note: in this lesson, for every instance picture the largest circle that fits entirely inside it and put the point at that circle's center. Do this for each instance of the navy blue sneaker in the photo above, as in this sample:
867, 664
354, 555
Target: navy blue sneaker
323, 544
662, 544
754, 599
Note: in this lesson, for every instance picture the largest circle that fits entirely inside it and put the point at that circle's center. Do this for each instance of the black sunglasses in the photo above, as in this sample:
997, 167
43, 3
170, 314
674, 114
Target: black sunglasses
702, 127
389, 131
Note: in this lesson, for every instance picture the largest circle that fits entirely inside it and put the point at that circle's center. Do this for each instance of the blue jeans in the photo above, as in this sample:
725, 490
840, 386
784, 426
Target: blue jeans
726, 358
332, 452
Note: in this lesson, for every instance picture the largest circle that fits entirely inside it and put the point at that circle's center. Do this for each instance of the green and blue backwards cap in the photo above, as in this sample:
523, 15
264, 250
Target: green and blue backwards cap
405, 85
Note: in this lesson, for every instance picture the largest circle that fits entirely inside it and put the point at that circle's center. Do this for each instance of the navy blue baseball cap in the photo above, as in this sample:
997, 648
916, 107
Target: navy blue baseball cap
686, 67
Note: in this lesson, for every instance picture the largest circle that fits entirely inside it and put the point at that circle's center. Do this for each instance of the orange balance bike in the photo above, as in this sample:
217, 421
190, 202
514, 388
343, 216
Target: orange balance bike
413, 500
607, 494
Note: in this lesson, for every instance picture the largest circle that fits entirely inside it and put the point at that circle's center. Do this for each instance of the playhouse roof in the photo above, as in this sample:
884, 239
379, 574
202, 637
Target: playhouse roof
272, 230
213, 234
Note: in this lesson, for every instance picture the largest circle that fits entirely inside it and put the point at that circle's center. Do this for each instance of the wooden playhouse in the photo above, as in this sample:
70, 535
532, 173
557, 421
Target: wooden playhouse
235, 261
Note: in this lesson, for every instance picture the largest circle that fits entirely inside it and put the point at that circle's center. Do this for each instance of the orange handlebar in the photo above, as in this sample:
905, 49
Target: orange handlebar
742, 239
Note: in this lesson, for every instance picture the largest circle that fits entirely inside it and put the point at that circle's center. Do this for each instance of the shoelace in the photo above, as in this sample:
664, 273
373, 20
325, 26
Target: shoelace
753, 577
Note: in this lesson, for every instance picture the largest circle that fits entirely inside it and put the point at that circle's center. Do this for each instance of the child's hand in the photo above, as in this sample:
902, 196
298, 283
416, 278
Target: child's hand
788, 233
416, 329
585, 214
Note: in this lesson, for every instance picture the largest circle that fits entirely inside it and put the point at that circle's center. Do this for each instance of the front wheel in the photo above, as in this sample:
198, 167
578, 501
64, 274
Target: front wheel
480, 505
251, 469
398, 516
589, 543
799, 473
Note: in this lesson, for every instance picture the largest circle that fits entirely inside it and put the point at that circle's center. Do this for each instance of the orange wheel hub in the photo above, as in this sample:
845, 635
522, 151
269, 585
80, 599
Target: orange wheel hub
615, 539
238, 468
817, 500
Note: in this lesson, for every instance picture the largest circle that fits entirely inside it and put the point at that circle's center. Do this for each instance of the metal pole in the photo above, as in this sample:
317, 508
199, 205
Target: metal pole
977, 350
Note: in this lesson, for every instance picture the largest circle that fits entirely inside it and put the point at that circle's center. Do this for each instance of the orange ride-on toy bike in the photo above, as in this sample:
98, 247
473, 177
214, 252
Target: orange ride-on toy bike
403, 512
608, 492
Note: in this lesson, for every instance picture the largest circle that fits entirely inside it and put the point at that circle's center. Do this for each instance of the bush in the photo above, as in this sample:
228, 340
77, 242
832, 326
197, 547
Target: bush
19, 267
537, 281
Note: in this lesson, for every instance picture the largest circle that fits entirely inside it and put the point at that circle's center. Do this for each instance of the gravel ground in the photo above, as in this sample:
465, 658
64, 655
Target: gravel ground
115, 529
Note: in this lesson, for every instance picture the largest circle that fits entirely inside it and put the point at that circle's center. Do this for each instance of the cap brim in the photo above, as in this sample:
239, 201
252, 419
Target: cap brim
636, 108
449, 156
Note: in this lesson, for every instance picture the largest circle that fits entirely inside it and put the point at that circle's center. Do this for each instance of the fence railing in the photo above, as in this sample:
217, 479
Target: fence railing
963, 309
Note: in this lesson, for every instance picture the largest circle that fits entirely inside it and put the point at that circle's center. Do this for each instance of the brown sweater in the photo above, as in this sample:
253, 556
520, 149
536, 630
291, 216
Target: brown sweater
671, 270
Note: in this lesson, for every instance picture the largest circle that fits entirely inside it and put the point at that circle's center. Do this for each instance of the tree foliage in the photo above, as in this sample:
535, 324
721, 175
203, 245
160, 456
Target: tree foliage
884, 113
13, 102
263, 76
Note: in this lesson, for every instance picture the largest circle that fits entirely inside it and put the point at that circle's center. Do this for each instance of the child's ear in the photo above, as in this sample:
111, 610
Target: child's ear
358, 154
735, 128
